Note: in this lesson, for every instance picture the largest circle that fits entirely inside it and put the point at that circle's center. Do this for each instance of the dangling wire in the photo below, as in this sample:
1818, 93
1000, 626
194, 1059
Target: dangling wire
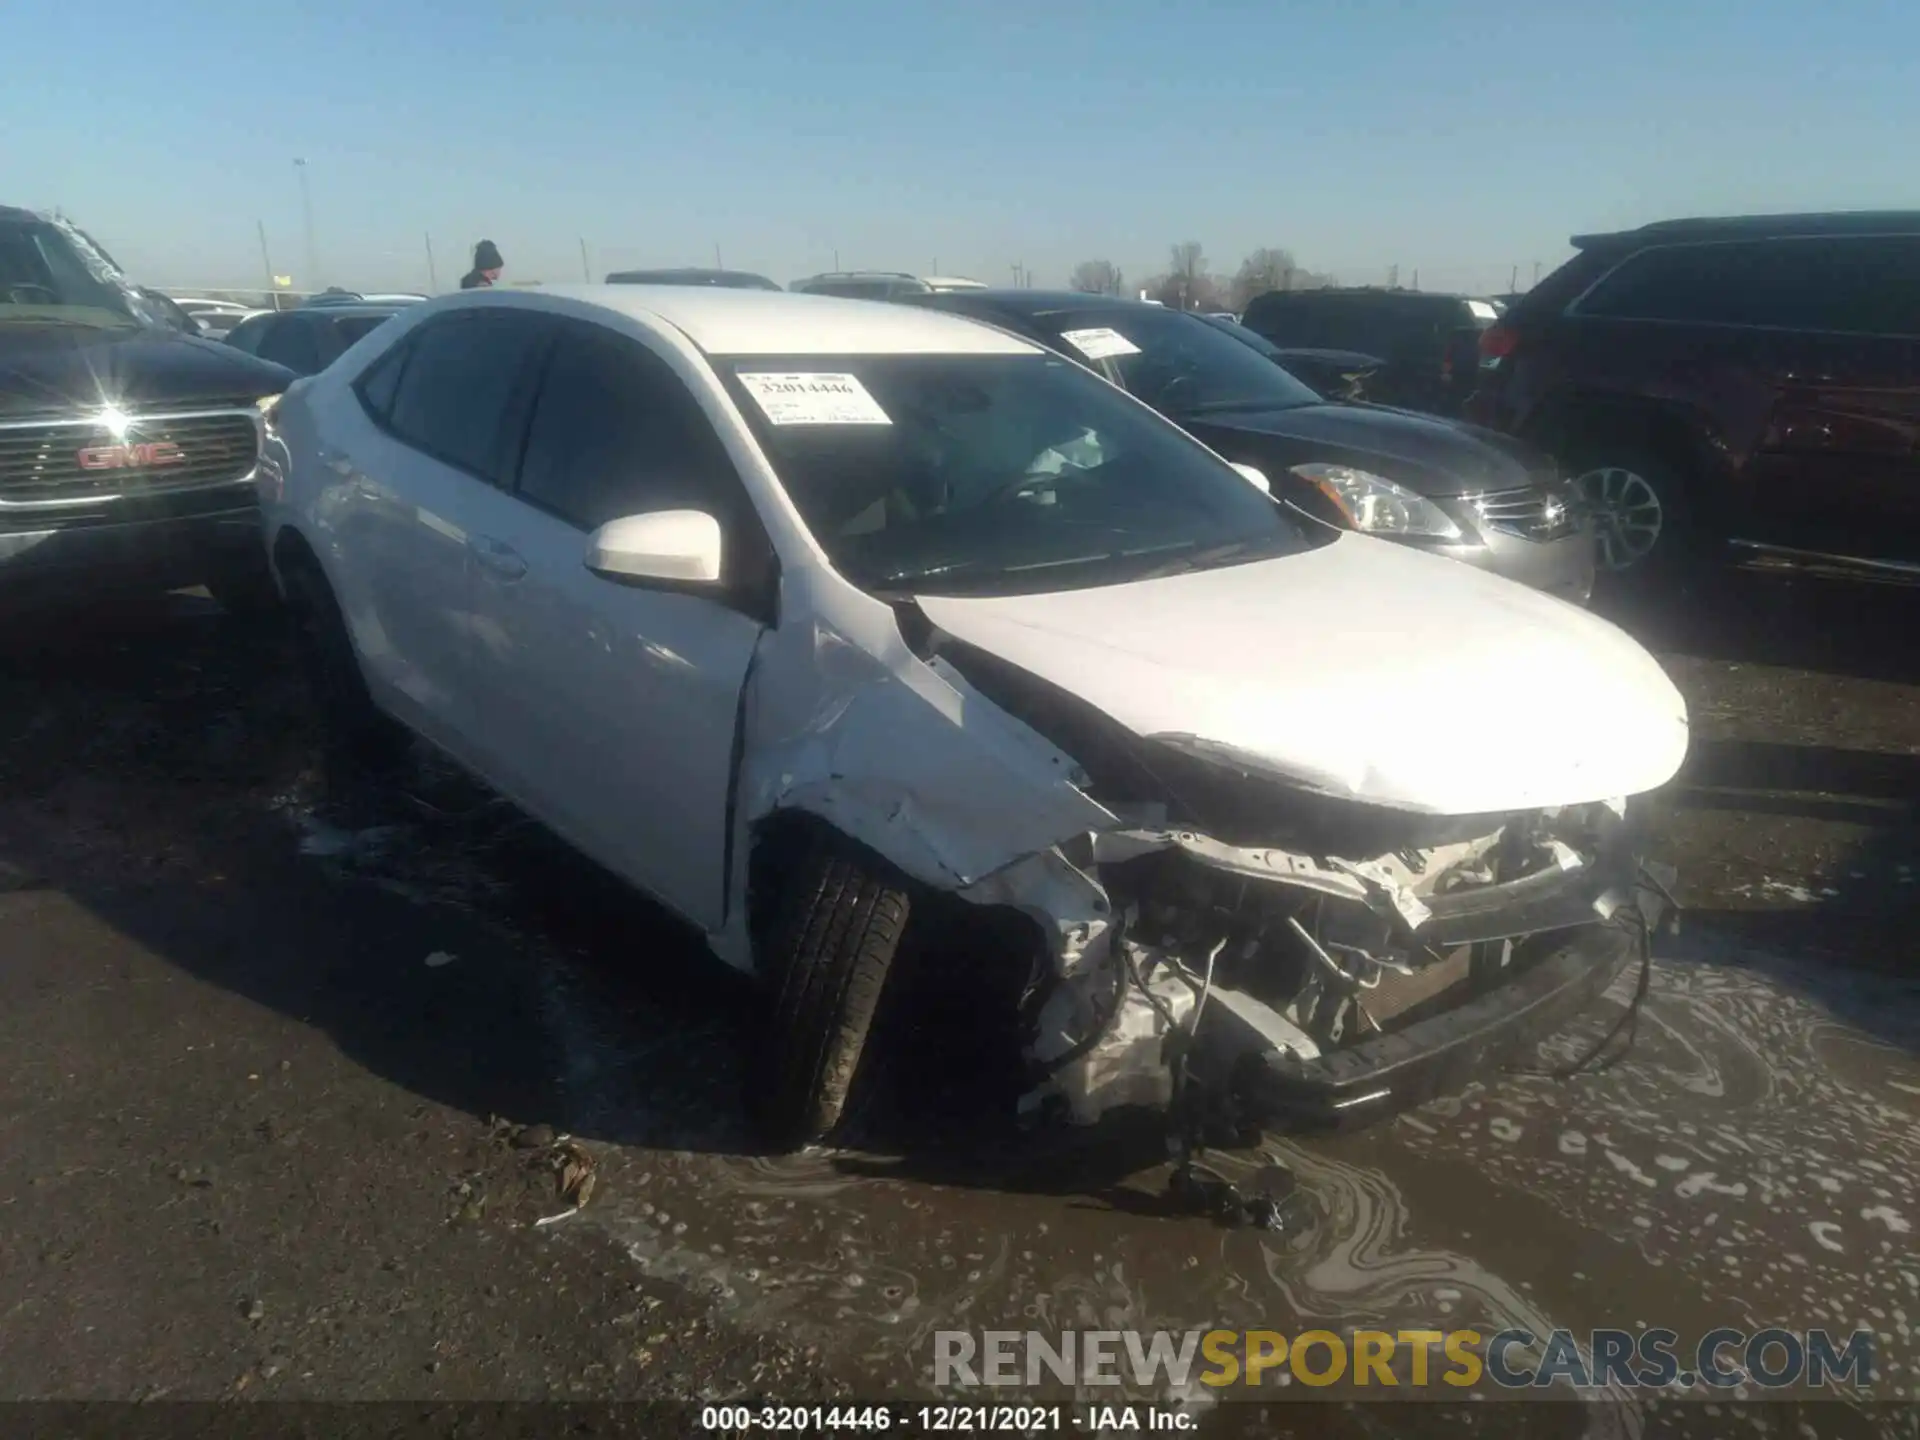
1629, 1021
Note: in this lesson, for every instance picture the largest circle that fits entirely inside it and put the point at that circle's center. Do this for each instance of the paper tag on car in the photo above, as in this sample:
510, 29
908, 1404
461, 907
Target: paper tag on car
1102, 344
809, 398
1481, 310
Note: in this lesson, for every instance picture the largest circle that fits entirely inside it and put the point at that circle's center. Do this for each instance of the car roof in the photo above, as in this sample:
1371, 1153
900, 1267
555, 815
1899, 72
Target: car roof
1371, 292
1021, 301
777, 322
660, 274
1766, 227
859, 275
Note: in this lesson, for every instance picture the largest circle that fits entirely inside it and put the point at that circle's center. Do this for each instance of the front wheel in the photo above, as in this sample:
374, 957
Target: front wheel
359, 739
1641, 517
829, 952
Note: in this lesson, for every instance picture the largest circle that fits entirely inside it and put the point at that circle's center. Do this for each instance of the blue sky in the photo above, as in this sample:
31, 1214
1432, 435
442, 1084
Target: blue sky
1457, 138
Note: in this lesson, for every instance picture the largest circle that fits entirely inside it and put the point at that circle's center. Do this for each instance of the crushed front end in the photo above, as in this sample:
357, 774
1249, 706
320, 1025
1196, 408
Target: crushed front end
1251, 954
1269, 987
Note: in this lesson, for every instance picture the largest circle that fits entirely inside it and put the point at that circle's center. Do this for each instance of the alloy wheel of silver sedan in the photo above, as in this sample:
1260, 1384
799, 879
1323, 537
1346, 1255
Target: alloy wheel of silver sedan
1628, 516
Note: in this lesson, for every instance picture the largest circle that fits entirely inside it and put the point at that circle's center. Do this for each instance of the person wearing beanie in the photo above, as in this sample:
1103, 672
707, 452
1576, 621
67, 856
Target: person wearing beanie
487, 266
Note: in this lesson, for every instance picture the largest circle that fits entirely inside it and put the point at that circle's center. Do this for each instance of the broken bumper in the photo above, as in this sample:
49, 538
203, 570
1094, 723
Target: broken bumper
1362, 1082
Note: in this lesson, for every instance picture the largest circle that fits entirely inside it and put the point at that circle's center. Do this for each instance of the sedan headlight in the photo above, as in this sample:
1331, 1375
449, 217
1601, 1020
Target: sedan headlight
1376, 505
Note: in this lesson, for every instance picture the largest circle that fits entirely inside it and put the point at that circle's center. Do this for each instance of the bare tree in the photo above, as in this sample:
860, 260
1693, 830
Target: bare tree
1098, 277
1187, 285
1268, 268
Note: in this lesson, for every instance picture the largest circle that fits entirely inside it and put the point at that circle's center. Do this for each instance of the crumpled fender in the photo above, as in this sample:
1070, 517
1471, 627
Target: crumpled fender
899, 754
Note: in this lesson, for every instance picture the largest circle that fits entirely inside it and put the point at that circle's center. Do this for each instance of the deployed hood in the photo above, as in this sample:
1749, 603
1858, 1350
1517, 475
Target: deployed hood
1362, 670
1428, 455
55, 369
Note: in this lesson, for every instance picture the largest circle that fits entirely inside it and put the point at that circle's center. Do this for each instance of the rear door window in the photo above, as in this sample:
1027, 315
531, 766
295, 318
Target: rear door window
1863, 285
294, 343
457, 393
349, 330
248, 334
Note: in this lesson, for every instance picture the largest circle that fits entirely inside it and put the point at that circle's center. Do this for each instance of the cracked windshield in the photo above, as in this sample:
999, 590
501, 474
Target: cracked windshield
1071, 723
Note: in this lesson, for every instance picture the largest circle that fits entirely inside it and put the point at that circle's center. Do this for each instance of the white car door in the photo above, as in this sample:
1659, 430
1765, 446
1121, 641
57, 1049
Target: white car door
609, 708
412, 446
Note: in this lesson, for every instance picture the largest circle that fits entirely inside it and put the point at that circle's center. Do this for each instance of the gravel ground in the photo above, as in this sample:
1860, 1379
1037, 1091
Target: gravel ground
286, 1093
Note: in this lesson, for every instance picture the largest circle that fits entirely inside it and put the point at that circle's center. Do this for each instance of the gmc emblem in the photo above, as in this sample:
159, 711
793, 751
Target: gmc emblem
134, 455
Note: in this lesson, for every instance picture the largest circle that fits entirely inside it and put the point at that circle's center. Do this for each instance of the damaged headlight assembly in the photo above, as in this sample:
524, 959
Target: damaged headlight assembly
1376, 505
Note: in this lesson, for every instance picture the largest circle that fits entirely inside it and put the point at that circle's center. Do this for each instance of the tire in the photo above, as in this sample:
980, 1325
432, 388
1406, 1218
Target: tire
830, 949
1629, 486
360, 741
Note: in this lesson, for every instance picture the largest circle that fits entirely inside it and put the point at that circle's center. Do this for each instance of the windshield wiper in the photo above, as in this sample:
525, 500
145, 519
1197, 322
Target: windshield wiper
1204, 559
957, 567
1227, 407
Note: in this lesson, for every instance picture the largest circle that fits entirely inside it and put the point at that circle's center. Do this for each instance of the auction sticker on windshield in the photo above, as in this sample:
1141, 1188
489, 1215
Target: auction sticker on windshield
1101, 344
803, 398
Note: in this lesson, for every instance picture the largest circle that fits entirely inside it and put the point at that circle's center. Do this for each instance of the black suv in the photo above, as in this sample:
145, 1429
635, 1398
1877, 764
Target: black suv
127, 447
1751, 383
1426, 345
311, 338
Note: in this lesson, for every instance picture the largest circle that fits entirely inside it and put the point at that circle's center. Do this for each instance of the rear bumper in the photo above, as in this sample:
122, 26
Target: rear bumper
51, 563
1439, 1055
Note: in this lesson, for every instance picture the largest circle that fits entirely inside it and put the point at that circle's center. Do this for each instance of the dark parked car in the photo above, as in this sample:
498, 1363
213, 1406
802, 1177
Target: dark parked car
1752, 382
308, 340
127, 447
171, 313
693, 275
1427, 344
1435, 484
1336, 374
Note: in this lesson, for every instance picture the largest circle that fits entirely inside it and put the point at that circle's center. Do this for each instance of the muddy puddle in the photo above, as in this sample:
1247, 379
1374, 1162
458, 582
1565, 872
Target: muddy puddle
1748, 1163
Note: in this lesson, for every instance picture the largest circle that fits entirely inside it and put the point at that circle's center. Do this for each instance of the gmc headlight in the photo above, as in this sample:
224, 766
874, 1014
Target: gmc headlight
1376, 505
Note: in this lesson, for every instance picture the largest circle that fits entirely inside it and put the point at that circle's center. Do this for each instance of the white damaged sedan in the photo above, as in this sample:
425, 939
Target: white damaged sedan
813, 617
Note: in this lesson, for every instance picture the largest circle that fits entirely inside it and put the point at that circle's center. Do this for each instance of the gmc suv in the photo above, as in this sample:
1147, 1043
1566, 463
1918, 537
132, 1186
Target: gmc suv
127, 447
1746, 385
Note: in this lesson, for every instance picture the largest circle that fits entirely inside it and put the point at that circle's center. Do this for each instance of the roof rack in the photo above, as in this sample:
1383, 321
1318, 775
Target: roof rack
1828, 222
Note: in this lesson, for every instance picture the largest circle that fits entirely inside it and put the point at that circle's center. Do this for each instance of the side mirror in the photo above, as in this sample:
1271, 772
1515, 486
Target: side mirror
682, 545
1255, 477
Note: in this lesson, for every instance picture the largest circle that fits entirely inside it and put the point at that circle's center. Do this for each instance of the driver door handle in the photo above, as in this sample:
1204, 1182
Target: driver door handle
498, 557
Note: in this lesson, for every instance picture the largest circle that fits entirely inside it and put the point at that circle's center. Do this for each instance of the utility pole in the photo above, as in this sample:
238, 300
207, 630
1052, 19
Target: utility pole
1536, 272
306, 207
586, 270
1416, 277
267, 260
1513, 281
716, 256
433, 276
1393, 277
836, 260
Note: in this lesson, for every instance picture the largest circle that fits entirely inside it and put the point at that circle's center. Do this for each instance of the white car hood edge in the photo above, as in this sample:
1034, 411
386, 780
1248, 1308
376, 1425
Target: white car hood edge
1363, 670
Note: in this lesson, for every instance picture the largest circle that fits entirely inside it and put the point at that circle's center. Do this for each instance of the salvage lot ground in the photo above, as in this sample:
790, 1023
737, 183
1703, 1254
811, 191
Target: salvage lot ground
263, 1071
